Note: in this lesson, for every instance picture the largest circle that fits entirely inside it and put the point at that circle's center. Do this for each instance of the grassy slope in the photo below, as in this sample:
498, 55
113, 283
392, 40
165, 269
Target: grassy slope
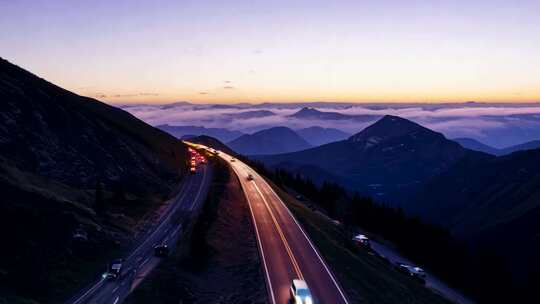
78, 140
365, 278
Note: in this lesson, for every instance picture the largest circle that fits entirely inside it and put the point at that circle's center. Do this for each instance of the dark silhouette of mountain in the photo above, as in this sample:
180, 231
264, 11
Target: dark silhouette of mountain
187, 136
317, 136
250, 114
392, 156
219, 133
213, 143
173, 105
476, 145
69, 162
473, 144
224, 106
312, 113
269, 141
530, 145
494, 203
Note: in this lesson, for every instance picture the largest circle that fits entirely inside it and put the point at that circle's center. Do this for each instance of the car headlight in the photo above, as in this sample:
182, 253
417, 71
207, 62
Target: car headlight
297, 299
308, 300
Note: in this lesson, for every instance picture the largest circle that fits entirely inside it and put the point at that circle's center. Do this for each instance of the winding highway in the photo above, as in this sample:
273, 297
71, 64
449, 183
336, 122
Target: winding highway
286, 251
141, 260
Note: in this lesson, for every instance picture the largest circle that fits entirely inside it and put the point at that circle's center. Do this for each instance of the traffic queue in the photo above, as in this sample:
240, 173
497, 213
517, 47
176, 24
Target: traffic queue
195, 158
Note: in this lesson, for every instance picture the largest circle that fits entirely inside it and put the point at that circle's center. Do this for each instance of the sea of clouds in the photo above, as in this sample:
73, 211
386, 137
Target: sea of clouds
499, 125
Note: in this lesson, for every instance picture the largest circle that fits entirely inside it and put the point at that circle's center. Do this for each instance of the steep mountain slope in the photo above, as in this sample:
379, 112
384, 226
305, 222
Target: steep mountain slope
488, 202
317, 136
219, 133
269, 141
56, 147
312, 113
391, 156
476, 145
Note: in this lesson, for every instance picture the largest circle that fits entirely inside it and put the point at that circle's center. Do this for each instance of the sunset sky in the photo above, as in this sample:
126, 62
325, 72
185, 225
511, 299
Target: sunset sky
279, 51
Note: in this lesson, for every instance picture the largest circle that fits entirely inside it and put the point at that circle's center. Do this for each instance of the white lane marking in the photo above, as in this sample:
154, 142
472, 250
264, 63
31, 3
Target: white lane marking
282, 236
145, 261
170, 212
199, 192
89, 291
116, 300
164, 220
310, 243
115, 289
258, 237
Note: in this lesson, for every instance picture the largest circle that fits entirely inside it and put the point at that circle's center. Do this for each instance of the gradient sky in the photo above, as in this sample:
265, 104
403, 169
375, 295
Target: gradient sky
236, 51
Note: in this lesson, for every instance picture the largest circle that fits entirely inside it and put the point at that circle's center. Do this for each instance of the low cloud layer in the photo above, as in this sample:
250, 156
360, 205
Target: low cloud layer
497, 125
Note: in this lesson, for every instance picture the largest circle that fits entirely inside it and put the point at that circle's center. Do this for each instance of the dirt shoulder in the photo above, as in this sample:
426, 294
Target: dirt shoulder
218, 262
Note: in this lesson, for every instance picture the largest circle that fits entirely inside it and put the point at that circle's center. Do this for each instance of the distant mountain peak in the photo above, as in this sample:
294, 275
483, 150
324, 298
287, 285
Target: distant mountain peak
391, 127
277, 129
313, 113
307, 111
274, 140
317, 135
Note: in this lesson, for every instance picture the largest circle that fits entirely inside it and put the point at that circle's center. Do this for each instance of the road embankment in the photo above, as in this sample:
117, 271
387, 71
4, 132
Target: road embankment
218, 261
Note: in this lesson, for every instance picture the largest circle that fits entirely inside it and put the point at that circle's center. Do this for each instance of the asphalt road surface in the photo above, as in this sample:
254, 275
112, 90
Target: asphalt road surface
285, 249
141, 259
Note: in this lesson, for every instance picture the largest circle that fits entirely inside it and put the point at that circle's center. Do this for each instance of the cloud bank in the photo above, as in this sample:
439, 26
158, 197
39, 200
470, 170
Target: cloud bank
497, 125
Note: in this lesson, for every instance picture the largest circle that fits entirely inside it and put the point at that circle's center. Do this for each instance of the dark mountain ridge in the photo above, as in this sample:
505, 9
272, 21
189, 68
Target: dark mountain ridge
530, 145
269, 141
57, 149
250, 114
490, 201
312, 113
392, 156
317, 136
476, 145
219, 133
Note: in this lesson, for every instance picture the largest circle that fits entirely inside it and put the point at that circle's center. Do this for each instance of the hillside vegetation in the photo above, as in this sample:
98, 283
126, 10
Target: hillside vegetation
71, 165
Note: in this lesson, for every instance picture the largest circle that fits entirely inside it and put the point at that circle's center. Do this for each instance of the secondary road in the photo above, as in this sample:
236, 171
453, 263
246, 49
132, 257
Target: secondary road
285, 249
141, 260
431, 281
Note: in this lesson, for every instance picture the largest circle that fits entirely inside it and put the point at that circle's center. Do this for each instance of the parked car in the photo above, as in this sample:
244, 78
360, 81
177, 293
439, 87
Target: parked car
250, 177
